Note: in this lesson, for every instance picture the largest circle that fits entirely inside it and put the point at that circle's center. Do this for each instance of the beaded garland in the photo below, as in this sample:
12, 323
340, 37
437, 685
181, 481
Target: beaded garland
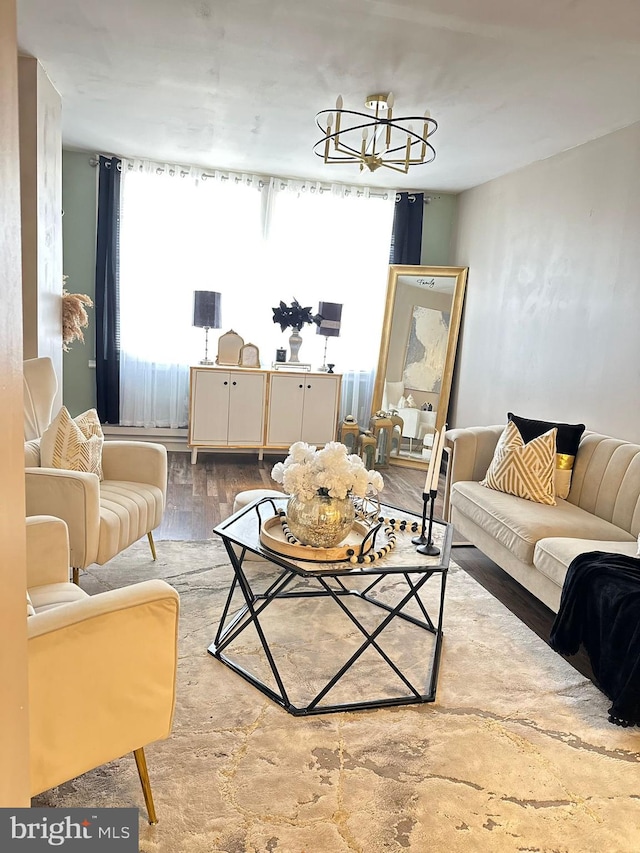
391, 525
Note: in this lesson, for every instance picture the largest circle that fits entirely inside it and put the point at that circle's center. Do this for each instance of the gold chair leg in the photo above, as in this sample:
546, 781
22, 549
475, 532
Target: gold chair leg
152, 545
141, 764
76, 576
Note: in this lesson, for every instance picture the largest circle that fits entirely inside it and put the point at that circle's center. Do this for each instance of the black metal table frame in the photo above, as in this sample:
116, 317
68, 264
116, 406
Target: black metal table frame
331, 586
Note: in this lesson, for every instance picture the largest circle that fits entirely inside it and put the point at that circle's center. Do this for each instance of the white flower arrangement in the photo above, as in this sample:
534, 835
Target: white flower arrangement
307, 472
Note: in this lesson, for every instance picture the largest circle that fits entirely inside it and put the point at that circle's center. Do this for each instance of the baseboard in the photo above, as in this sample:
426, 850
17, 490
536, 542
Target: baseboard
174, 439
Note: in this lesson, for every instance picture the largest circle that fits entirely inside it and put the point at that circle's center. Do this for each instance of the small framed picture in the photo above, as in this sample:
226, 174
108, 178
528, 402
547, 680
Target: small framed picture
249, 356
229, 347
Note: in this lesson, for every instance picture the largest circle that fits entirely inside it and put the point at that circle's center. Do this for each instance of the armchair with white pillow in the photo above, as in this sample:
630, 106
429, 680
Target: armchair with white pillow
104, 516
102, 668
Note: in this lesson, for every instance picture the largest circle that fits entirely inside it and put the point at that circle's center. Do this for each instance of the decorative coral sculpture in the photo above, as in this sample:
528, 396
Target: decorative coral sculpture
74, 316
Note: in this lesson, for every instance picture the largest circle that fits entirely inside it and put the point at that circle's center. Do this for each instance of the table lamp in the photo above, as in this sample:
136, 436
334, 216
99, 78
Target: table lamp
206, 315
331, 313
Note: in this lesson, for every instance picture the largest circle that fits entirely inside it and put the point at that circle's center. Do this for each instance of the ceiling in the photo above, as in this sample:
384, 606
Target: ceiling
236, 84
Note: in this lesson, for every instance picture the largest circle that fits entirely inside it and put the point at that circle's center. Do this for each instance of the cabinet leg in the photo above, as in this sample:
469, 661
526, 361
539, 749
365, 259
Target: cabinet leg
260, 455
194, 455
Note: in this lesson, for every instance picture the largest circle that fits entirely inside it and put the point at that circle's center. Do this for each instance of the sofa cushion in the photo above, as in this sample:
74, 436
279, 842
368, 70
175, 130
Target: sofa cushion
567, 442
552, 556
73, 443
518, 524
524, 470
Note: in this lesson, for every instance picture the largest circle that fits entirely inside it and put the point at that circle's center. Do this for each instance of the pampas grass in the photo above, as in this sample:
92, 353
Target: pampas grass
74, 317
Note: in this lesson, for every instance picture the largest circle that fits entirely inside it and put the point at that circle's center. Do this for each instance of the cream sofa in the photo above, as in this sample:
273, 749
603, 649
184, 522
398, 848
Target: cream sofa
536, 543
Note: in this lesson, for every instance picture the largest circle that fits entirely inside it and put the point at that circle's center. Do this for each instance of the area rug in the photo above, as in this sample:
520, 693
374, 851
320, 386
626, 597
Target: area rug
515, 754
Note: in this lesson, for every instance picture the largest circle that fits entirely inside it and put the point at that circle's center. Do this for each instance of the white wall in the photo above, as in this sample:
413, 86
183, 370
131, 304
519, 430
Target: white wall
40, 109
14, 723
552, 317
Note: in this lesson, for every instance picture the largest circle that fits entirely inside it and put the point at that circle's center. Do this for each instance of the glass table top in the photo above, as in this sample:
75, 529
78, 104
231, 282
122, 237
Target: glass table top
243, 529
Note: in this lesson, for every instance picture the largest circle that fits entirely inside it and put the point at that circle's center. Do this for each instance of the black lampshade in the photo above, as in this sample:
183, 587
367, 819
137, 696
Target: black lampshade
206, 309
331, 313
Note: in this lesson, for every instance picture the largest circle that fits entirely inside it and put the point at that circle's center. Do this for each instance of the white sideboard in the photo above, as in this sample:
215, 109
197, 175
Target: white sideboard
265, 409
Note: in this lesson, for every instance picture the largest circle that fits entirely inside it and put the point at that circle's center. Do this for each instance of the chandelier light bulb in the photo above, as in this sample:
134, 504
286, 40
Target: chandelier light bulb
329, 120
339, 102
365, 133
427, 113
390, 100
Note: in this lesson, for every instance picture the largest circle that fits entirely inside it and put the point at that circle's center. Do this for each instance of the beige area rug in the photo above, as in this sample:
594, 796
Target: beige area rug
515, 754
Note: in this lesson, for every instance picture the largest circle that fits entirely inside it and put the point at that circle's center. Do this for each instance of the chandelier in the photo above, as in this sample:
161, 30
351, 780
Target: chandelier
375, 140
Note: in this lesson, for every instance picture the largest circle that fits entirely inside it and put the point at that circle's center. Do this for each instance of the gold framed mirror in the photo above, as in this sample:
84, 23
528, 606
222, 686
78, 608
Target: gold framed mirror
417, 354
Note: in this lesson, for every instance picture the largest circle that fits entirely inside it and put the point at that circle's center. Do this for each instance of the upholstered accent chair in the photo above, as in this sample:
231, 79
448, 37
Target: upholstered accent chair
102, 668
103, 516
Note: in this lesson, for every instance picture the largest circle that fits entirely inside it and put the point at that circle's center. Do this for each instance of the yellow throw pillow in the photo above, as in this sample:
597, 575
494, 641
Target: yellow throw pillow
524, 470
74, 444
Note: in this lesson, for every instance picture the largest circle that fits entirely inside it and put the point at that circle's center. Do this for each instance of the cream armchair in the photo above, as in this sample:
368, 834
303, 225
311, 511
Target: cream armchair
103, 517
102, 668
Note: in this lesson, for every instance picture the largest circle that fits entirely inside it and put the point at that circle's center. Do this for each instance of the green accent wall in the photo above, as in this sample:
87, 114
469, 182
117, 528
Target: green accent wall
79, 203
438, 224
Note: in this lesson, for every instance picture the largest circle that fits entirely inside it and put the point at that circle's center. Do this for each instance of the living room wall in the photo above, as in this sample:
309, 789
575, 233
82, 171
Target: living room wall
438, 229
550, 326
79, 202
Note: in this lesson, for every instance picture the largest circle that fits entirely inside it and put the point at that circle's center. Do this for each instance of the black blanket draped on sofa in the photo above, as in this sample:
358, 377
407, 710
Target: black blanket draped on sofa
600, 608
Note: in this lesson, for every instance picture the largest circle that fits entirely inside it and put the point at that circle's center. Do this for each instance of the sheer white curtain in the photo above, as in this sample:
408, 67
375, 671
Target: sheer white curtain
331, 244
180, 231
256, 243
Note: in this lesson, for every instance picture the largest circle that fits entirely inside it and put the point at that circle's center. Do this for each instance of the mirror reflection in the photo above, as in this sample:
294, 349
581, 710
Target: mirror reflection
417, 355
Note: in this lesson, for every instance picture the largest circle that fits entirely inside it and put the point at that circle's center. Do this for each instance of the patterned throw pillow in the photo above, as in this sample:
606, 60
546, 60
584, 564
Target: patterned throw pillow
73, 443
524, 470
567, 442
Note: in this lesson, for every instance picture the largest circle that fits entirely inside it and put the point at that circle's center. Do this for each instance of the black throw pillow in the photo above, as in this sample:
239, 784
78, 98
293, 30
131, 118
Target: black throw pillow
567, 443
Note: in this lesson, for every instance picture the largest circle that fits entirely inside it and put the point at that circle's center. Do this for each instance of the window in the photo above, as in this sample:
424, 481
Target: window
256, 242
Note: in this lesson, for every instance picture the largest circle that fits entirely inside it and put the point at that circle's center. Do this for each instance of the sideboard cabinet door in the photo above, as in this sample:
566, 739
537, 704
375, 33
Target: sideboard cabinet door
286, 401
246, 409
209, 407
320, 412
303, 407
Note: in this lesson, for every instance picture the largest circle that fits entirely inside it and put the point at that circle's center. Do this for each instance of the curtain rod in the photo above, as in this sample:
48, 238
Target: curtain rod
94, 161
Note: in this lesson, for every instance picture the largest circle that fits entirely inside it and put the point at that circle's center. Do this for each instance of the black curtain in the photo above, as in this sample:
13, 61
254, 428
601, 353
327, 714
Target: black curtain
107, 292
406, 237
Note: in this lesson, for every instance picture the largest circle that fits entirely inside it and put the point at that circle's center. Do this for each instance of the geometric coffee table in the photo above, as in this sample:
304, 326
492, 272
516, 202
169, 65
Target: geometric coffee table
318, 638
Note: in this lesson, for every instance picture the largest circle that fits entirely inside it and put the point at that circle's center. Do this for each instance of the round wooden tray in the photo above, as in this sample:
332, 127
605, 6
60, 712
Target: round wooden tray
272, 537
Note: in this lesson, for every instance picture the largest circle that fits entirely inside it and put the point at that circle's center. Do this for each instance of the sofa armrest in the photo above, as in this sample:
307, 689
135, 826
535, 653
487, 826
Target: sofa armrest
73, 496
136, 462
47, 551
470, 452
102, 677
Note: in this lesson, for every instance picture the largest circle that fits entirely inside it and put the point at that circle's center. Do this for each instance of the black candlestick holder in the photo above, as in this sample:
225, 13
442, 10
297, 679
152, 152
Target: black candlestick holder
425, 543
421, 538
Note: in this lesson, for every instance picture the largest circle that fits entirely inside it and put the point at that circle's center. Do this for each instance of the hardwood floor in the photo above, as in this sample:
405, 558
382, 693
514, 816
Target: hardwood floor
200, 496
